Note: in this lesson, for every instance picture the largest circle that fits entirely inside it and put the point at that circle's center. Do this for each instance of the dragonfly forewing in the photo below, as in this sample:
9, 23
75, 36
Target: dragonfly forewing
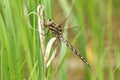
57, 31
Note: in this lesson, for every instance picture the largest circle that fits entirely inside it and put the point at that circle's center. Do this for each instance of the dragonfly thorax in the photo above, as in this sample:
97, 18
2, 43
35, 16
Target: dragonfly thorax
55, 28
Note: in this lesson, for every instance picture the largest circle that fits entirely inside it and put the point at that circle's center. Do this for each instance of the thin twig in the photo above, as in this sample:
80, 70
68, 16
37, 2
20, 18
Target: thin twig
40, 11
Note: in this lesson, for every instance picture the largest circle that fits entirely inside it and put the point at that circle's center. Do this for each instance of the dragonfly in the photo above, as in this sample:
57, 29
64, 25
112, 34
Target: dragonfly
57, 31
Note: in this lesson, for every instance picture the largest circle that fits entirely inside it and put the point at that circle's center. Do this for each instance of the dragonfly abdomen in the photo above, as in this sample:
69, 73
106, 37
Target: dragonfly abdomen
74, 50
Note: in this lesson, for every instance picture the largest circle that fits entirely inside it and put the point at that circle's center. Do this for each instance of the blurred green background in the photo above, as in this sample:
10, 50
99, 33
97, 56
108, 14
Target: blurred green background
97, 38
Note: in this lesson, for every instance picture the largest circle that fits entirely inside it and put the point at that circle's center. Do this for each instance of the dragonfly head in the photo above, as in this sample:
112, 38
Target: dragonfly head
49, 22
